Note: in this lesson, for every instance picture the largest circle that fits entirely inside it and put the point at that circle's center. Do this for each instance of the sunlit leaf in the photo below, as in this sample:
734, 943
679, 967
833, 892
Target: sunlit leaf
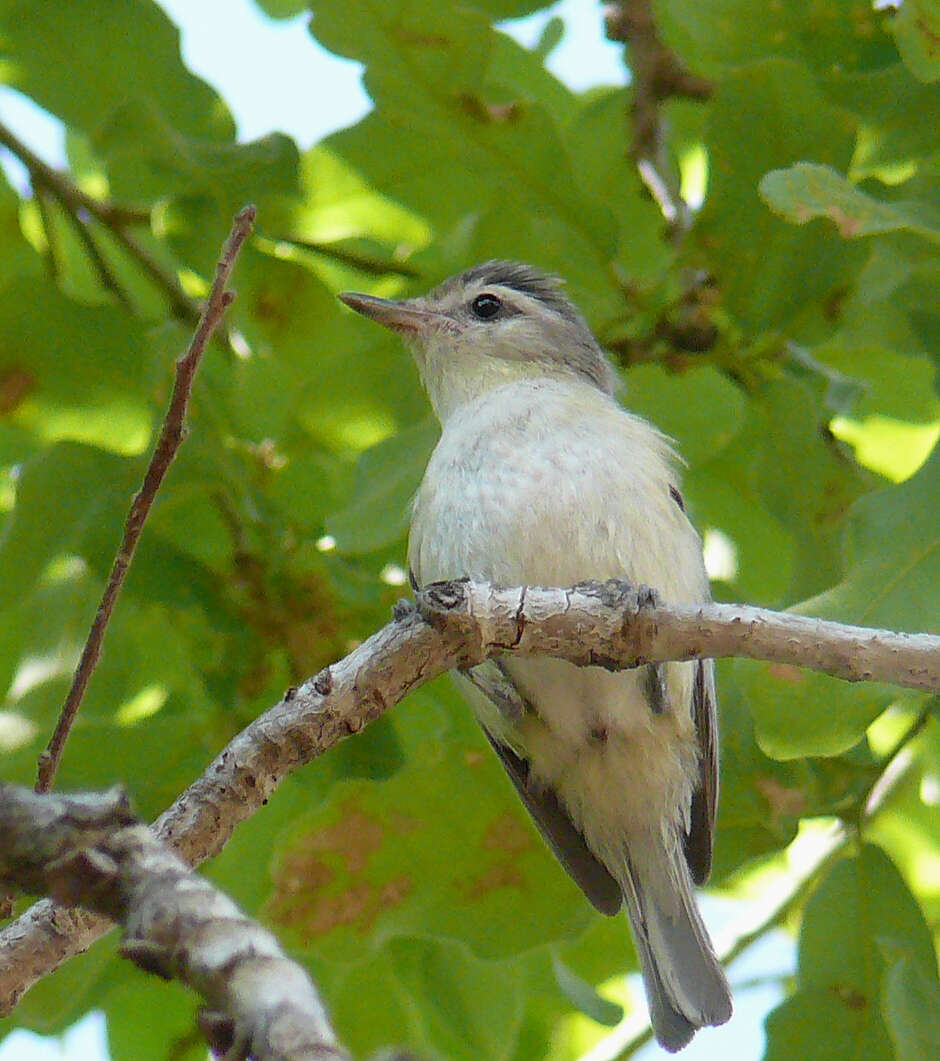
805, 191
916, 28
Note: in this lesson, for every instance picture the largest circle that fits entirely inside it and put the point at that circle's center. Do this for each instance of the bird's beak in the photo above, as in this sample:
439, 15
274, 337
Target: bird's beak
401, 316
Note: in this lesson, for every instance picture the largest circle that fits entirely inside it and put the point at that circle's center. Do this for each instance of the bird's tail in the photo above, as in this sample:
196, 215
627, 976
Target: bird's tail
685, 985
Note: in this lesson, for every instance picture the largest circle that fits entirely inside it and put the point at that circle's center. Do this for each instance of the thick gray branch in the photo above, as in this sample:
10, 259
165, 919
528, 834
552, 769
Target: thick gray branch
603, 623
89, 850
594, 623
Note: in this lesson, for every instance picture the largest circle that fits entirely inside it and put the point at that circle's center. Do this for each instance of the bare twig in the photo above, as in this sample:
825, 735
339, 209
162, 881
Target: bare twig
88, 849
171, 436
366, 263
657, 75
106, 277
115, 217
48, 228
470, 622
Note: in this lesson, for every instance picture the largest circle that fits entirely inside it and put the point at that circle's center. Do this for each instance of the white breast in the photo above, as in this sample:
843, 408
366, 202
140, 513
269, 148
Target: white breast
550, 482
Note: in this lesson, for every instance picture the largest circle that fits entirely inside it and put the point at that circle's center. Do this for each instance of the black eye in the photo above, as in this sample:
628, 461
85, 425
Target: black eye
486, 306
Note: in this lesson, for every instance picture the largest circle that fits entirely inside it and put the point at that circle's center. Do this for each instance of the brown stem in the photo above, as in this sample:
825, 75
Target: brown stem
366, 263
657, 75
171, 436
75, 201
106, 277
48, 228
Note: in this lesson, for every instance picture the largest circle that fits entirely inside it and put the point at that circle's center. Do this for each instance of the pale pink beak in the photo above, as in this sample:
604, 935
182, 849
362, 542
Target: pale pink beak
402, 317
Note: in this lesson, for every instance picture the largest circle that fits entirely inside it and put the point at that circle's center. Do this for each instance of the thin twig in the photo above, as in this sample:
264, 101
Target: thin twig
106, 277
74, 201
171, 436
48, 228
89, 849
657, 75
366, 263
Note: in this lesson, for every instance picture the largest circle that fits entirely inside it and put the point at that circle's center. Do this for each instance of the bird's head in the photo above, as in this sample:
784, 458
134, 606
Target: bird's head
495, 323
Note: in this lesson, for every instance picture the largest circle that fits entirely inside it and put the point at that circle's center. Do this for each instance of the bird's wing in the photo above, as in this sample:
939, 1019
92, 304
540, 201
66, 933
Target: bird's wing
553, 822
699, 839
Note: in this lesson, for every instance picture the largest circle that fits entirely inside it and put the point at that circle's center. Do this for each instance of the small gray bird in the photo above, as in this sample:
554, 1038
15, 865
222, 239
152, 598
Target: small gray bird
540, 477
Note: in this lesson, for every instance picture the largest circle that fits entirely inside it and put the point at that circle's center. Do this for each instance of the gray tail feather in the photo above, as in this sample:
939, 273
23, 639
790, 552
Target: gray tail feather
685, 984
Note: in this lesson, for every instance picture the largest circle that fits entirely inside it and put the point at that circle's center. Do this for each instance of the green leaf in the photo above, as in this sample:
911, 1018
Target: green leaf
132, 993
101, 754
583, 996
60, 999
862, 900
878, 347
387, 476
551, 36
899, 116
891, 580
911, 1008
283, 8
500, 9
72, 371
841, 969
892, 576
804, 480
594, 136
147, 157
437, 1000
723, 34
784, 702
805, 191
67, 499
701, 409
439, 140
813, 1027
810, 487
377, 861
82, 59
17, 257
916, 28
766, 116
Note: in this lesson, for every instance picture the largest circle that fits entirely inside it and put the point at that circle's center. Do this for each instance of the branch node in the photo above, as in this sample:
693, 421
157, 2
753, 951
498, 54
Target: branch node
323, 682
436, 600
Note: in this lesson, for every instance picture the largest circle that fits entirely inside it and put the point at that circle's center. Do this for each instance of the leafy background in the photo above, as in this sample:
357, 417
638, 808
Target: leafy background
789, 340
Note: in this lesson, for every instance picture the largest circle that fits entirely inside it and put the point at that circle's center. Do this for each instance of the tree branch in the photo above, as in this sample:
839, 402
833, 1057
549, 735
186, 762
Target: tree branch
364, 262
171, 437
74, 202
605, 624
609, 624
657, 75
88, 849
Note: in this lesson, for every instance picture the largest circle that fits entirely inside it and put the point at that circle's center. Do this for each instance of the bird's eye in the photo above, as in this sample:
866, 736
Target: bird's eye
486, 306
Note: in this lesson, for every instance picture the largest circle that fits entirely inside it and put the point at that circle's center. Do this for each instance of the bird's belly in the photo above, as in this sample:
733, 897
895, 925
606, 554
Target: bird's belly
593, 738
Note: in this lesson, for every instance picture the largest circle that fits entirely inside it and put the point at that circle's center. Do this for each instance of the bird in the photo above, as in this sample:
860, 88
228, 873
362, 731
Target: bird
542, 477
